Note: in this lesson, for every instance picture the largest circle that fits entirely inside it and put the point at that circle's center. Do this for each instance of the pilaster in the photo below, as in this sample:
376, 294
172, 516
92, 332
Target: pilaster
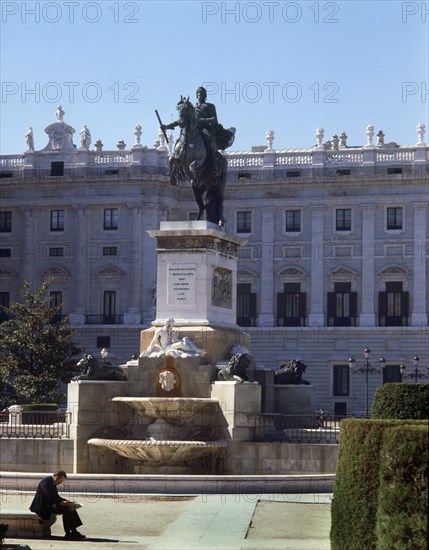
419, 311
266, 313
367, 314
316, 315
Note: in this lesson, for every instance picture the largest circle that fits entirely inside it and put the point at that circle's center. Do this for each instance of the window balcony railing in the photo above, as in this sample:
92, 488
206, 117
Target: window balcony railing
104, 319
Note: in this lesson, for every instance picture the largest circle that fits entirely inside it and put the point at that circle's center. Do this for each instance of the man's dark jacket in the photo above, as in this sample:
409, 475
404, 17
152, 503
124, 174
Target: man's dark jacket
46, 497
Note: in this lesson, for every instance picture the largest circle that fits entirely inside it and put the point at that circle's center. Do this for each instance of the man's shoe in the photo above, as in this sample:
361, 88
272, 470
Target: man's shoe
74, 535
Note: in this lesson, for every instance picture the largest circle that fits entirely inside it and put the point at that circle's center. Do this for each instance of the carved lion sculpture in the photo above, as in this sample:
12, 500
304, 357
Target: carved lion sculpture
291, 373
93, 369
239, 368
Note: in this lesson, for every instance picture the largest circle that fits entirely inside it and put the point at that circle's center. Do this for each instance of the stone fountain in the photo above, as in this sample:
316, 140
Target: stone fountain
171, 414
166, 449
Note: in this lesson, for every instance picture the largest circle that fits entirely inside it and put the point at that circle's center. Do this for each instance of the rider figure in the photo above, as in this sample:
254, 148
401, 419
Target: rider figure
207, 123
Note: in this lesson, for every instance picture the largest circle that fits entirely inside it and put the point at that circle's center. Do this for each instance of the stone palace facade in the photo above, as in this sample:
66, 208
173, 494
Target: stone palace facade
336, 258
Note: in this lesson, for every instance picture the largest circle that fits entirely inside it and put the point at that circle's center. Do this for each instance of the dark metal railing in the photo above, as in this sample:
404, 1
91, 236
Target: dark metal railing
297, 428
35, 424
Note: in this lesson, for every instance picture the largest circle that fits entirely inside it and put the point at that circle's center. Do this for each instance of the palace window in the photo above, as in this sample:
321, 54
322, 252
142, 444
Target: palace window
5, 302
57, 220
343, 219
342, 306
103, 342
291, 306
391, 373
111, 218
293, 221
110, 250
393, 305
341, 380
394, 218
57, 168
109, 307
56, 297
246, 305
56, 251
5, 222
244, 222
5, 252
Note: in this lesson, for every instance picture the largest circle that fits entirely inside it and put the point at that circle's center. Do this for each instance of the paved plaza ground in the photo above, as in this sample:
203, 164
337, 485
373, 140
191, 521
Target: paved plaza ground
191, 522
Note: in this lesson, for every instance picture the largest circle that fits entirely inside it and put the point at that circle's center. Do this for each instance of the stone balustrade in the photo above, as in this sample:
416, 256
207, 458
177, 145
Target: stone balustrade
317, 161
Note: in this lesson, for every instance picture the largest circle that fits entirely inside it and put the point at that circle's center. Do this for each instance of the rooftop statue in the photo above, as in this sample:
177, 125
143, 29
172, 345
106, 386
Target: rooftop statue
85, 138
197, 155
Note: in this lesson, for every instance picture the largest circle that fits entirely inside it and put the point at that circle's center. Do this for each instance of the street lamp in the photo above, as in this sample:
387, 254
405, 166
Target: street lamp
416, 374
367, 369
104, 353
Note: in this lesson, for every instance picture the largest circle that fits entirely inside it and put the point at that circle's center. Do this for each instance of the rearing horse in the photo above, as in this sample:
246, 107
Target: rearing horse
193, 158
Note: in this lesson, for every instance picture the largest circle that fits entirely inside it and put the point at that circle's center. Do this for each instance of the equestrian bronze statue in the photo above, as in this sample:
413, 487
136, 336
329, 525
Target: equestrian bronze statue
198, 154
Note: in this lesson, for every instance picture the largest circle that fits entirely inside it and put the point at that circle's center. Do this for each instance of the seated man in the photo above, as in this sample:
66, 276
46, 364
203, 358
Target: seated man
47, 503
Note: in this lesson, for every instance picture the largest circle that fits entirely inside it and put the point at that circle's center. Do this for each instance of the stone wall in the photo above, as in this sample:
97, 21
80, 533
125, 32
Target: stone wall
250, 458
242, 458
36, 455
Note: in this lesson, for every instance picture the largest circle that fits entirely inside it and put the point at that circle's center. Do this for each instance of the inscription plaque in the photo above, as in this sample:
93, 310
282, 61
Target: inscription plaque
181, 284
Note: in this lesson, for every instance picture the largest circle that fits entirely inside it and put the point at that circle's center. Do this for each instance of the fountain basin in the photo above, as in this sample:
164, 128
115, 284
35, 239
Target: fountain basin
160, 451
168, 408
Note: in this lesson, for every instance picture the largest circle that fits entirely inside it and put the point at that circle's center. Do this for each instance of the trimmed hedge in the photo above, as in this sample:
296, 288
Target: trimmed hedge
356, 490
401, 401
402, 515
354, 504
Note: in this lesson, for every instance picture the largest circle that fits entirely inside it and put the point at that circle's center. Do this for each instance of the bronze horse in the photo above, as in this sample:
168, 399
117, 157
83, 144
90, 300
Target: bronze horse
194, 159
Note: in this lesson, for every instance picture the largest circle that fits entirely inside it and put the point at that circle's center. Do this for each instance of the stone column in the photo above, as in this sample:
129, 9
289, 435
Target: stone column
367, 313
133, 258
419, 311
266, 312
316, 315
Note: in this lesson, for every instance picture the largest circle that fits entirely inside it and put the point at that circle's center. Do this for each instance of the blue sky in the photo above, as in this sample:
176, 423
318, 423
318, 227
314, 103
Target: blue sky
286, 66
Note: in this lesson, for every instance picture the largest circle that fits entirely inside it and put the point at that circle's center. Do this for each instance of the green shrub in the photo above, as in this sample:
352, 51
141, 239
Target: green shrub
355, 502
402, 514
401, 401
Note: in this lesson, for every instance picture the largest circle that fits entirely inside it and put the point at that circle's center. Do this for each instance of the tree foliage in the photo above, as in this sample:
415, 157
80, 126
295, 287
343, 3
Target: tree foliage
36, 348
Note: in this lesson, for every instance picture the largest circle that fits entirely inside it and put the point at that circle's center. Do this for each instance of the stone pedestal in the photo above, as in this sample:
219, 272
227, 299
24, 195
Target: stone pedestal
296, 401
197, 286
91, 413
196, 274
238, 403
